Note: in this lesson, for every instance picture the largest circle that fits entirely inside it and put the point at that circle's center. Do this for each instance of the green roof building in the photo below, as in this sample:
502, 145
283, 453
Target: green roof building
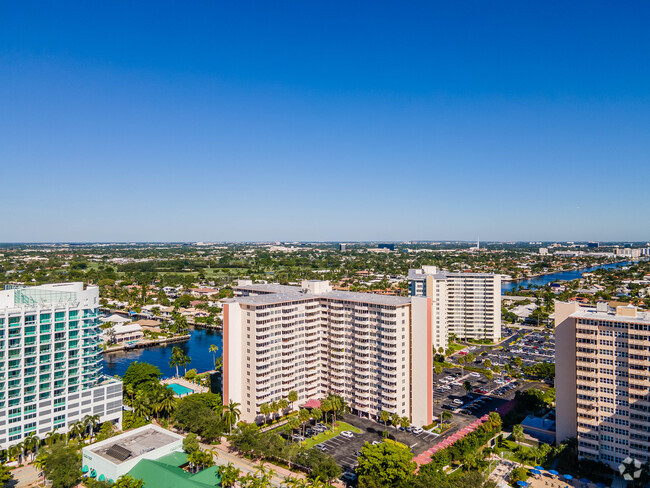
166, 473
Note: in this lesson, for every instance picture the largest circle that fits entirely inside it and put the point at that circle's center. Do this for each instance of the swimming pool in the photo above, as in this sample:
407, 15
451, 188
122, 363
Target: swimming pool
180, 390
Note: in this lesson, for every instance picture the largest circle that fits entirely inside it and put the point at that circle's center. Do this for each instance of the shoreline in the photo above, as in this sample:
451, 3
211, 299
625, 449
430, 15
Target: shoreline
539, 275
147, 343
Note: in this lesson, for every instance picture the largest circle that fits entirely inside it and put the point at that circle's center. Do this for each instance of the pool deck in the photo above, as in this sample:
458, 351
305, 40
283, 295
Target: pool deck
187, 384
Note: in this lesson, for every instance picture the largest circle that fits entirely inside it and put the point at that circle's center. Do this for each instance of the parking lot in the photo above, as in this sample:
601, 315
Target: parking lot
345, 450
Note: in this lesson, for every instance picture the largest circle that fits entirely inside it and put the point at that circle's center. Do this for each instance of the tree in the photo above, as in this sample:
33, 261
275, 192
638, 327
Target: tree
384, 416
437, 369
191, 443
316, 413
488, 374
265, 410
5, 474
283, 404
326, 406
213, 349
229, 474
384, 464
404, 422
231, 414
292, 397
176, 358
467, 386
304, 417
62, 465
126, 481
518, 432
487, 363
138, 374
105, 431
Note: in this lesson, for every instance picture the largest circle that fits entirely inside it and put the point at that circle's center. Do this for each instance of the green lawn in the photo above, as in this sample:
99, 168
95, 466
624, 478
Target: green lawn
327, 435
455, 347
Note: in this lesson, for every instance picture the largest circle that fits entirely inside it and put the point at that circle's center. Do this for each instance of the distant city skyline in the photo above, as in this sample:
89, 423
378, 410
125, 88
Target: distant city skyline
260, 121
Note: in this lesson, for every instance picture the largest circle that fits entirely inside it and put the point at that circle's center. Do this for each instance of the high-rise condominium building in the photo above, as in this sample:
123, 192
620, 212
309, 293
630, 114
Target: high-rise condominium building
603, 382
50, 361
315, 341
467, 305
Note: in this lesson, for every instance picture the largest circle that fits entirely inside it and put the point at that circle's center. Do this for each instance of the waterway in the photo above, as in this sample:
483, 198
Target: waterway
197, 347
573, 274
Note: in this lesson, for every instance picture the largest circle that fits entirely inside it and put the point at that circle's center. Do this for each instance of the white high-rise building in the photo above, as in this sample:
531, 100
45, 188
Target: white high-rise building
315, 341
603, 381
50, 361
467, 305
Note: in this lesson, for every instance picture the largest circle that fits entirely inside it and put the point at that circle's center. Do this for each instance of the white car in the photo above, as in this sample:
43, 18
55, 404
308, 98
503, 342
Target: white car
443, 380
347, 433
446, 387
474, 374
450, 378
458, 402
417, 430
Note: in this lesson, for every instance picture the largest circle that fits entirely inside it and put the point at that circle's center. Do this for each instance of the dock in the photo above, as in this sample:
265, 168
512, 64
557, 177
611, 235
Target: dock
147, 343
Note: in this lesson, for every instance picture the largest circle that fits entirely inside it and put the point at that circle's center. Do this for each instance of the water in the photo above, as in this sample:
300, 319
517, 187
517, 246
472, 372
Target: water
197, 348
573, 274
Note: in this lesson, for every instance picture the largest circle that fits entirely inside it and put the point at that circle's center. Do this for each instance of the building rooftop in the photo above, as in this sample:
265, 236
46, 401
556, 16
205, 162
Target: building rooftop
612, 314
268, 288
331, 295
133, 444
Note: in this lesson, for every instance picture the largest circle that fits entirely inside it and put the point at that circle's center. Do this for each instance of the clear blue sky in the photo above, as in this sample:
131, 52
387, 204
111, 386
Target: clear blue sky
305, 120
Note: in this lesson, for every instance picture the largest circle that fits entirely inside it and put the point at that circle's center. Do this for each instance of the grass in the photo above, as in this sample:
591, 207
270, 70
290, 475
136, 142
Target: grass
329, 434
456, 347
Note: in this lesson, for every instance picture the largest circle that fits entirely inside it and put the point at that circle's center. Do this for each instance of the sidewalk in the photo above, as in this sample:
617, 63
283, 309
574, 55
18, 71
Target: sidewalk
226, 454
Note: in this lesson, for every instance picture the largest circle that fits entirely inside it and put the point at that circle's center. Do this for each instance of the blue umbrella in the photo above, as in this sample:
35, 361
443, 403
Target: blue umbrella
553, 472
523, 484
539, 467
567, 477
584, 481
535, 471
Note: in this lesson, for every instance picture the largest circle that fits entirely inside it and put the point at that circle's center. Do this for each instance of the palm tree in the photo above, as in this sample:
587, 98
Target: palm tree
264, 410
175, 359
384, 416
91, 421
404, 422
20, 451
292, 397
185, 362
326, 406
167, 403
231, 414
293, 424
394, 419
229, 475
283, 404
39, 464
213, 349
304, 417
31, 444
128, 389
218, 365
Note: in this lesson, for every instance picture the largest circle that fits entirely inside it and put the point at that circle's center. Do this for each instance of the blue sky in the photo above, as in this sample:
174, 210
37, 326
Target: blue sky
231, 121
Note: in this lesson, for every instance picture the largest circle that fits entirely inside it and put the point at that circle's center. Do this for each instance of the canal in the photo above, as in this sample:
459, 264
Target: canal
197, 348
573, 274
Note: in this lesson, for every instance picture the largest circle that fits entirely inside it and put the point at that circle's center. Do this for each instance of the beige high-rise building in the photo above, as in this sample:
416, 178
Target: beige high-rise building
467, 305
315, 341
603, 382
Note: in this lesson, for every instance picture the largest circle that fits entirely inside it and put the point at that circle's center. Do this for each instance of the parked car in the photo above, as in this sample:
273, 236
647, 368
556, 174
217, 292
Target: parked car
298, 437
347, 433
321, 447
474, 374
417, 430
348, 477
457, 401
